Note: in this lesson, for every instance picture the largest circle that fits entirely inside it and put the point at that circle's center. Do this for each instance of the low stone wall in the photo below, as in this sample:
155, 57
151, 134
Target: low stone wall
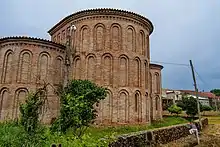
156, 136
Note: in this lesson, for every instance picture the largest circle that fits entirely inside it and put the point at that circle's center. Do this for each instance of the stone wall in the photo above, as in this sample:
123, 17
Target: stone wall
156, 136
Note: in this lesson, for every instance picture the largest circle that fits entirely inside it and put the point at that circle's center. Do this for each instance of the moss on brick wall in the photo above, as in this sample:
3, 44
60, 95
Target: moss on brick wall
154, 137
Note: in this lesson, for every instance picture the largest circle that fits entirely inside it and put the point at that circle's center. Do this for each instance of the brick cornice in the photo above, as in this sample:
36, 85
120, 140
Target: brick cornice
156, 66
103, 11
21, 40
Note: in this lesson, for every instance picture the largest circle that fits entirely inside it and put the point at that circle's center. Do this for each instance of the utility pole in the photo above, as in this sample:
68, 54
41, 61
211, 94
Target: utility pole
196, 89
218, 104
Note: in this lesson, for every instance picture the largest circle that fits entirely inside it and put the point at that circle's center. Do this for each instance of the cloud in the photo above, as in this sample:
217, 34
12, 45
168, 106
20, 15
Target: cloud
184, 30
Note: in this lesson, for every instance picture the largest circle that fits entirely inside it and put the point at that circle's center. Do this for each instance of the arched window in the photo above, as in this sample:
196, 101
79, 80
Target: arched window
116, 37
43, 67
157, 82
123, 70
24, 70
136, 103
4, 102
20, 96
7, 67
151, 83
156, 102
146, 74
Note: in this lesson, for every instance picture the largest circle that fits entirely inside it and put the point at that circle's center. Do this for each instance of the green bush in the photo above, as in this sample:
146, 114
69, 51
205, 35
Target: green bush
13, 134
206, 108
175, 109
30, 113
181, 105
77, 106
166, 106
189, 104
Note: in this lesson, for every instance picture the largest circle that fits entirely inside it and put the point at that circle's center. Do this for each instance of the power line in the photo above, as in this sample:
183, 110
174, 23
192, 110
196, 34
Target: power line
201, 79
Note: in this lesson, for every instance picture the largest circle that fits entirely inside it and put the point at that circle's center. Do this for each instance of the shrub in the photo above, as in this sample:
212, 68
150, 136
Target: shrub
166, 106
31, 109
13, 135
175, 109
206, 108
189, 104
29, 121
77, 106
181, 105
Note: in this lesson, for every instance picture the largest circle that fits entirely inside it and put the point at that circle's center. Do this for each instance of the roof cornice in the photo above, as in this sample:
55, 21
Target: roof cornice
30, 39
156, 66
103, 11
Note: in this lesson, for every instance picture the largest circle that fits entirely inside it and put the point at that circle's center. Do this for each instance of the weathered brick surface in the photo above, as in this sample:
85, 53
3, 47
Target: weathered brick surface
154, 137
30, 60
112, 49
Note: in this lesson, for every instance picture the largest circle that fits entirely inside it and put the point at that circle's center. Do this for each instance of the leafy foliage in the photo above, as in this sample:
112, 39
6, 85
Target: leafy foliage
206, 108
175, 109
181, 105
31, 130
216, 92
13, 134
30, 110
189, 104
166, 106
77, 106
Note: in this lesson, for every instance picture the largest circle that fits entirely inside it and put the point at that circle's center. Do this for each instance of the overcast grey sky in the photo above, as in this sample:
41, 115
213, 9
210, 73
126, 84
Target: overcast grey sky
184, 29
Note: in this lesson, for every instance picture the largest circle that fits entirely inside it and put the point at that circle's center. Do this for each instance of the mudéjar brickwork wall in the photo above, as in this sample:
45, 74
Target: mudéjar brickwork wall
111, 49
25, 63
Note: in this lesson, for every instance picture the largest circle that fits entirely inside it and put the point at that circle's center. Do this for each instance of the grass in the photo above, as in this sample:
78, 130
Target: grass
103, 131
213, 119
211, 113
12, 134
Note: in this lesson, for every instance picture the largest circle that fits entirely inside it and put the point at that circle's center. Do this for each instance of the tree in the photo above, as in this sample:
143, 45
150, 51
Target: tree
216, 92
77, 110
206, 108
175, 109
181, 105
30, 117
30, 110
189, 104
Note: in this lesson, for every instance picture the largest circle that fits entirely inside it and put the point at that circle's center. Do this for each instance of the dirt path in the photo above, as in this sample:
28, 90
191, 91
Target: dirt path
210, 137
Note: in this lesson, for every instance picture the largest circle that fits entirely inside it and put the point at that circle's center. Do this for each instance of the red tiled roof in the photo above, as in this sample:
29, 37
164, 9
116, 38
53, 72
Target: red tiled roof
201, 94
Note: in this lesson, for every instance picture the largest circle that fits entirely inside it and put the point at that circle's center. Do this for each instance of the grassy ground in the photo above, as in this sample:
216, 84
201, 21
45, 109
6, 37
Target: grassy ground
213, 119
205, 113
103, 131
210, 136
13, 135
